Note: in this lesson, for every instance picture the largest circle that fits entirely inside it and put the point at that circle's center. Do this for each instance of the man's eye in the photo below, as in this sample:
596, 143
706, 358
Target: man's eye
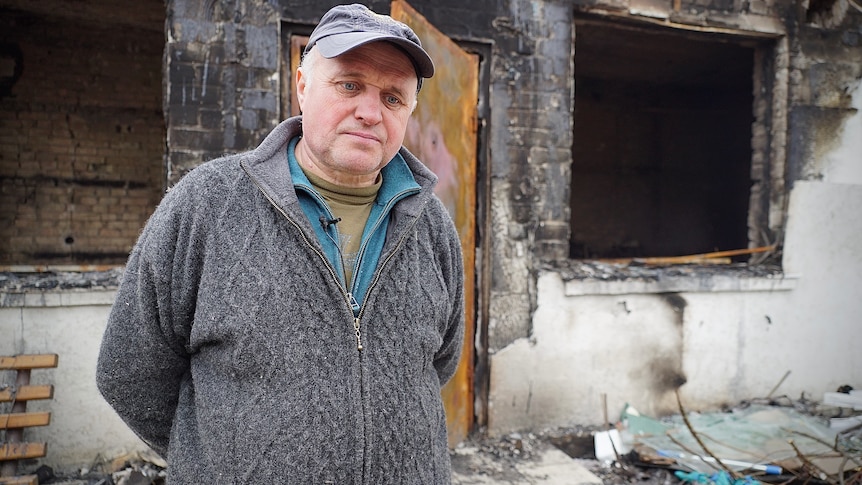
349, 86
393, 100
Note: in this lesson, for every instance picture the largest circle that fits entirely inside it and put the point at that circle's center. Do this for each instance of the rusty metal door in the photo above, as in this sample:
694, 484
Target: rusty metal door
442, 133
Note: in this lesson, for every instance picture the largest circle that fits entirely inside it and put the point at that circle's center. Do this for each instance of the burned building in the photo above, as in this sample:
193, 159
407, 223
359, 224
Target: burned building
654, 195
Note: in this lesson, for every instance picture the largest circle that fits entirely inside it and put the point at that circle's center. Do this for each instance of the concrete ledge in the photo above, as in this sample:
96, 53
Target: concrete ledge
681, 284
49, 299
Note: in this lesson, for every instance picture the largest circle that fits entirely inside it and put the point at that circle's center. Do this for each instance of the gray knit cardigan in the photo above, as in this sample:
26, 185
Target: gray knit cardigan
231, 347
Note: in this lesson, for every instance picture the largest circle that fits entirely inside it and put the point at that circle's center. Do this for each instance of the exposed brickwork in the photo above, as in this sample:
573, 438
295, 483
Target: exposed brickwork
81, 141
222, 81
530, 141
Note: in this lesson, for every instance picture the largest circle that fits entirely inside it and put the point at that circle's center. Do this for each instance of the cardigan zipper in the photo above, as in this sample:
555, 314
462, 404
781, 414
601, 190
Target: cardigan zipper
356, 320
348, 297
357, 324
380, 266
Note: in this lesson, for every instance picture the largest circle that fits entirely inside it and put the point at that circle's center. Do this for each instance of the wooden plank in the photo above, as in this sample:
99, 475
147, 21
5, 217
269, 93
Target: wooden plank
27, 393
33, 361
22, 451
24, 420
717, 257
22, 480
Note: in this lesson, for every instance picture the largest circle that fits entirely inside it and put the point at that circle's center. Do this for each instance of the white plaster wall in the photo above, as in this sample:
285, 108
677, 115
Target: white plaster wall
83, 428
737, 339
581, 348
824, 246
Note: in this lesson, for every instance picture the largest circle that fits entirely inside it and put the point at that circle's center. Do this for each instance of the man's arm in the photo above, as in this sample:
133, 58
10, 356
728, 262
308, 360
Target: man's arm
142, 360
447, 357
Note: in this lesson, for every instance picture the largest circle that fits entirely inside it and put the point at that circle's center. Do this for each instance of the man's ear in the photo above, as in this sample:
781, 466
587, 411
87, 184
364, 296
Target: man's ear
300, 88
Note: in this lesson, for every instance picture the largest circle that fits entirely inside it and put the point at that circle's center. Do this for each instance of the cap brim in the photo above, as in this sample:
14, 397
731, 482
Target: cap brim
337, 44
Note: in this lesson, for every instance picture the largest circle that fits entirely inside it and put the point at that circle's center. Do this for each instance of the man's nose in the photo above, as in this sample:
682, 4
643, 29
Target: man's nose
369, 108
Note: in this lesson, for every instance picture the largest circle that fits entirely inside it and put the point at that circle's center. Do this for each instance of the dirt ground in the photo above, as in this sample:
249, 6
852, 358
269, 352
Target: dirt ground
474, 462
501, 460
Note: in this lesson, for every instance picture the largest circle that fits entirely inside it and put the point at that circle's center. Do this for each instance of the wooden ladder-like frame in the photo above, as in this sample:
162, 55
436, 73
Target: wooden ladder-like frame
14, 448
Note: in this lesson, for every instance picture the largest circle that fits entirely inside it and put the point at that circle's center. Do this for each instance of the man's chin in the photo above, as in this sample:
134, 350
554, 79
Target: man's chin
362, 160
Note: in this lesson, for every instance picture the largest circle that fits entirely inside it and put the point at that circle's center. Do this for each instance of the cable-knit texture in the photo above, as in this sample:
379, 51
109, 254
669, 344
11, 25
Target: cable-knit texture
231, 350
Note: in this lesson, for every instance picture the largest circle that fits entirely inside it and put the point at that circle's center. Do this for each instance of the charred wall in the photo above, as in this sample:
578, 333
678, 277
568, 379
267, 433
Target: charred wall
81, 133
827, 68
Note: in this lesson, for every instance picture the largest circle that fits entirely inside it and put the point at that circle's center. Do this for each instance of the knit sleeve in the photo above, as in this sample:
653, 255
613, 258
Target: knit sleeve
451, 261
143, 357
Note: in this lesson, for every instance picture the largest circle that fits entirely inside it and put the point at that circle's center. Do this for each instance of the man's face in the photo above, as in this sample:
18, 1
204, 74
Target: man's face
355, 109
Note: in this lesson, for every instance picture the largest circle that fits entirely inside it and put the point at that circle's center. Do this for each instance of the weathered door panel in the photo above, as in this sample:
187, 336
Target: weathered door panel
442, 133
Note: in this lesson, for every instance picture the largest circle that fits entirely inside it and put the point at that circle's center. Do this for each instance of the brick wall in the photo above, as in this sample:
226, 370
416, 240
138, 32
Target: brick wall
222, 80
81, 139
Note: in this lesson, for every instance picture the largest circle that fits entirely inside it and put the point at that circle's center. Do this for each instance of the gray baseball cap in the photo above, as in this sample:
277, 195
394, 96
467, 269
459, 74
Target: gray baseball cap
347, 27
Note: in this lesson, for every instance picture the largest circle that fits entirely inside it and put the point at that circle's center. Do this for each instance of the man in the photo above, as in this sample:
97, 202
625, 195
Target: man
289, 314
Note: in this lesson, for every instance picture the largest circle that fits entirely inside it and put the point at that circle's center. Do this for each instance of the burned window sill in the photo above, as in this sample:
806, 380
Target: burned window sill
27, 289
589, 277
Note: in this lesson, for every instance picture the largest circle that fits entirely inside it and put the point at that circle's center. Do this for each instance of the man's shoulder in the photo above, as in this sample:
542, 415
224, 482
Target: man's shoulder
436, 223
208, 185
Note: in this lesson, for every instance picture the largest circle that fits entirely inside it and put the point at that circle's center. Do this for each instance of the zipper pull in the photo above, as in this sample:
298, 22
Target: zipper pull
358, 334
354, 305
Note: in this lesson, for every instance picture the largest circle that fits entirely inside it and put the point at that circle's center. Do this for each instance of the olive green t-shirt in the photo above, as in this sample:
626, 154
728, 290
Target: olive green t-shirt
353, 206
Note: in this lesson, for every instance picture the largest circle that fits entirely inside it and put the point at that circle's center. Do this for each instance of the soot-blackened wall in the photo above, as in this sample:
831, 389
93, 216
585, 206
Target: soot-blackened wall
81, 134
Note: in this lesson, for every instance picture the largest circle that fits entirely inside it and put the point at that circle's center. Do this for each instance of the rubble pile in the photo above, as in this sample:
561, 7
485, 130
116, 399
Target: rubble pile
139, 468
774, 441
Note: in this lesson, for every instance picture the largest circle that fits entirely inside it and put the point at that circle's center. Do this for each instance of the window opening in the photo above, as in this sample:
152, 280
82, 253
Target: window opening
662, 145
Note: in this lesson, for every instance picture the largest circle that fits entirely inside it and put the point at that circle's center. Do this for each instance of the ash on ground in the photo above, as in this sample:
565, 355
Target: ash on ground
577, 442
